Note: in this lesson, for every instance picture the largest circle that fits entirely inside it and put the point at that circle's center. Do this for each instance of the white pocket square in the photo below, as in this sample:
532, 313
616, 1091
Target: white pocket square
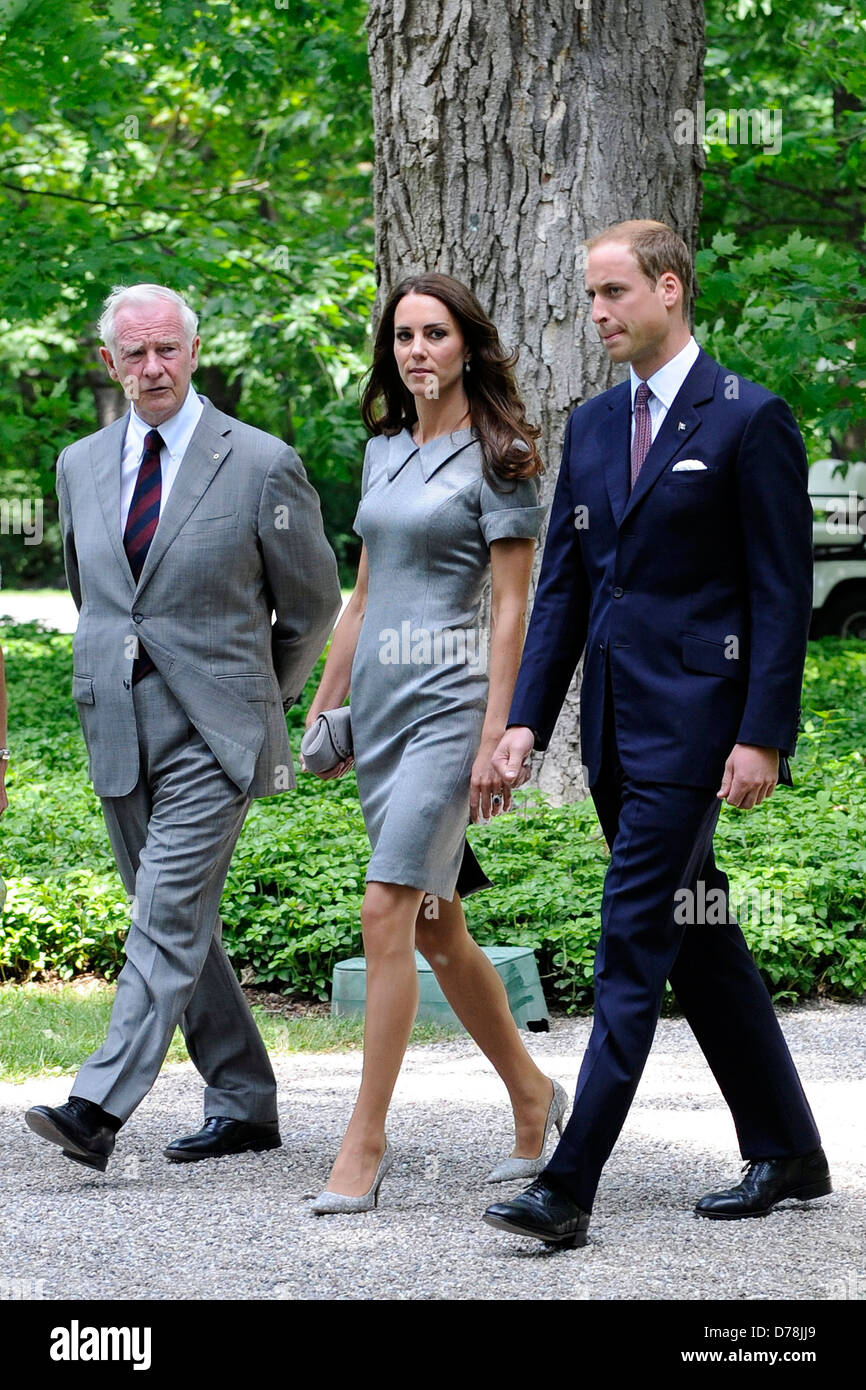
689, 466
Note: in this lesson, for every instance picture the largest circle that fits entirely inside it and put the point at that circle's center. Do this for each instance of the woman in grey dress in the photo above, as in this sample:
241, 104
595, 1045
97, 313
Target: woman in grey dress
448, 500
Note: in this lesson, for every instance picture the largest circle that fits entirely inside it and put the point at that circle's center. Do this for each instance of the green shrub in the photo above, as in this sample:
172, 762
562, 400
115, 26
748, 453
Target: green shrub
297, 877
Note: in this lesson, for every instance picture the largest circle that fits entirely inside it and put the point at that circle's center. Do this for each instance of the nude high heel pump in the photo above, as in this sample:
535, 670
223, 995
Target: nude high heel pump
515, 1169
336, 1203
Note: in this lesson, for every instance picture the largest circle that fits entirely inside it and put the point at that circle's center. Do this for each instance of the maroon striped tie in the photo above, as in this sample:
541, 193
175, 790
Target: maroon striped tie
141, 524
643, 430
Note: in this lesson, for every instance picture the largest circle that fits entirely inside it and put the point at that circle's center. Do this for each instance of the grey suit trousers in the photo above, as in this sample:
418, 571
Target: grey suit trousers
173, 837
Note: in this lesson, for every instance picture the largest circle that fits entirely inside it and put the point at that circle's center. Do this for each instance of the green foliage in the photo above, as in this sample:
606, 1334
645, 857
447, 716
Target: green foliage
789, 317
784, 256
295, 885
547, 865
808, 63
232, 162
294, 888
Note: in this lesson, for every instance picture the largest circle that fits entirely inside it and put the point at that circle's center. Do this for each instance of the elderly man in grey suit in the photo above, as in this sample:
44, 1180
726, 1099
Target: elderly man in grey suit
195, 553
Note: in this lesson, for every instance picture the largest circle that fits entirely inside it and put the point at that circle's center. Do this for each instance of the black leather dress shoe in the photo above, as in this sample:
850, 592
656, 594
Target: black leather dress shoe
84, 1131
544, 1214
768, 1181
220, 1136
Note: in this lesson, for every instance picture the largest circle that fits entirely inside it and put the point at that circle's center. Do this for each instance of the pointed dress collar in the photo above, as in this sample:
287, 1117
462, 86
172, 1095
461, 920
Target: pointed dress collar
432, 455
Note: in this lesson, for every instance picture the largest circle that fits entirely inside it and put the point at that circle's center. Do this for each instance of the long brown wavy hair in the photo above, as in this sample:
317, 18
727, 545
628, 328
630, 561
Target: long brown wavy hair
498, 414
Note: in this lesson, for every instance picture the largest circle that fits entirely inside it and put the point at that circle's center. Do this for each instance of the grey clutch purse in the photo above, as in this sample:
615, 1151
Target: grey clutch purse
329, 741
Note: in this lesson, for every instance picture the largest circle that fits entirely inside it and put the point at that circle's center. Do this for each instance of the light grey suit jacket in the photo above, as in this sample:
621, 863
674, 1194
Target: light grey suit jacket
239, 539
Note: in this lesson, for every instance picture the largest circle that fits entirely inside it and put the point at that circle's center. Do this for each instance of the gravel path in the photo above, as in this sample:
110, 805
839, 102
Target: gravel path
240, 1228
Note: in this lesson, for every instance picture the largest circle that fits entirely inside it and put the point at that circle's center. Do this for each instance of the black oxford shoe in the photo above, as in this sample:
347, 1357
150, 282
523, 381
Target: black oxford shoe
220, 1136
544, 1214
84, 1131
766, 1182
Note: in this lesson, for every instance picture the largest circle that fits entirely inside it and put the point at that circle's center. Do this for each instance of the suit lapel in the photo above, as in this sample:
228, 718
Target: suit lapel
105, 461
616, 468
207, 450
677, 427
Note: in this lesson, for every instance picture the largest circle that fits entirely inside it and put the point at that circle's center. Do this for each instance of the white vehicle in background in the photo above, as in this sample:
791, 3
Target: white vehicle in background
839, 539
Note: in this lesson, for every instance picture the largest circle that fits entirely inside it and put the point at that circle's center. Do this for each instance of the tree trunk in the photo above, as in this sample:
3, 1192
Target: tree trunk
508, 131
108, 396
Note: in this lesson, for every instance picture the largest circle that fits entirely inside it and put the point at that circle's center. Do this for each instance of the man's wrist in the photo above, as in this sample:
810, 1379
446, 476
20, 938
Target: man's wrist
534, 732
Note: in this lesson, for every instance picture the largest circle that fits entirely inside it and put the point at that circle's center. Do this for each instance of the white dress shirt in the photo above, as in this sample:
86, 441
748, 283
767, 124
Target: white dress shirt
175, 433
664, 385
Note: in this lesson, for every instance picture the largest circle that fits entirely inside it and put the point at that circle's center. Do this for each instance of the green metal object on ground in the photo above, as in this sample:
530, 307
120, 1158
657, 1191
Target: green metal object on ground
514, 964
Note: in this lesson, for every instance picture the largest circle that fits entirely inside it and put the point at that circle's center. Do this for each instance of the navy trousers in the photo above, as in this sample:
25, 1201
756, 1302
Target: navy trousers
661, 842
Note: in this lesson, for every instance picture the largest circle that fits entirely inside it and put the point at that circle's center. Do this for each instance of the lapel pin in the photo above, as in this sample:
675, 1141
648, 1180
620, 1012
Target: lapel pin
681, 425
216, 456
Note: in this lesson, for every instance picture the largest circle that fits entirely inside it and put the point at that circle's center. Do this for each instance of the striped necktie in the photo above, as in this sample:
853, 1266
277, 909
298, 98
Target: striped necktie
643, 430
141, 524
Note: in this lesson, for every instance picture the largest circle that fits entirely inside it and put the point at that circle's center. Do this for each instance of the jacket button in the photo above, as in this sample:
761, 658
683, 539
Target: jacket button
127, 685
601, 646
618, 592
138, 618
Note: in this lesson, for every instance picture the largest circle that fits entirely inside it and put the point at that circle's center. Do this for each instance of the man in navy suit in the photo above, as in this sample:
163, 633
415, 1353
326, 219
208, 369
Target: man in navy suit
678, 561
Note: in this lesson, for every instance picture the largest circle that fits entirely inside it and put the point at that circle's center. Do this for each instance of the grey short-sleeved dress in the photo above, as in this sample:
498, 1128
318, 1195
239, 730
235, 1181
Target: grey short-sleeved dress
419, 678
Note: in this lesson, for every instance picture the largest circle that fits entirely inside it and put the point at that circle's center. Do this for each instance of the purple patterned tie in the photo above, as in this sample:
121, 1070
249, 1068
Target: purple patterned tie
141, 524
643, 432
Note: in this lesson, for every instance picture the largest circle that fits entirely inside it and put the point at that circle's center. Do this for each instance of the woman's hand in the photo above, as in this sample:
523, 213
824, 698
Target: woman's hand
498, 771
488, 794
332, 772
337, 771
336, 677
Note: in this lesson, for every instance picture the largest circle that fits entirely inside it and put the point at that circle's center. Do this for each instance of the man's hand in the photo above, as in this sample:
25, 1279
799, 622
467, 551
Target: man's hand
751, 774
511, 756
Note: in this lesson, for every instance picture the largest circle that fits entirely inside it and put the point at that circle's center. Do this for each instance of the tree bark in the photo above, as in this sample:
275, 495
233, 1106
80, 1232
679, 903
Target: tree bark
508, 131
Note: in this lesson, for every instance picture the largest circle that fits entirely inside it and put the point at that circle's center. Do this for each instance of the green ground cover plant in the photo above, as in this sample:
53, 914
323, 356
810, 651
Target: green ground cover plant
796, 864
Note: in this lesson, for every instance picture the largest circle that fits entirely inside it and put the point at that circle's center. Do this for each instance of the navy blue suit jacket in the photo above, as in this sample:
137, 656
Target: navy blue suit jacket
694, 589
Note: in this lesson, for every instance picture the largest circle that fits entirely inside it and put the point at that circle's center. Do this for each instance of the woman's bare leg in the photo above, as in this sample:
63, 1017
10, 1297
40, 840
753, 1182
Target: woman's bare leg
477, 995
388, 919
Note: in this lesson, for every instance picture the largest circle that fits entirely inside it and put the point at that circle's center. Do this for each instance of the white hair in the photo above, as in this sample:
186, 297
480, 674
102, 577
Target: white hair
123, 295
